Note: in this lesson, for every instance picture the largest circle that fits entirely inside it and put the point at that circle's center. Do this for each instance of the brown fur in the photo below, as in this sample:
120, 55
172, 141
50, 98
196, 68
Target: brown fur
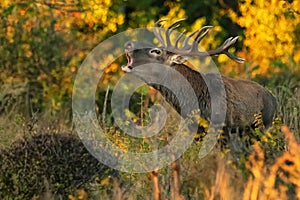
244, 98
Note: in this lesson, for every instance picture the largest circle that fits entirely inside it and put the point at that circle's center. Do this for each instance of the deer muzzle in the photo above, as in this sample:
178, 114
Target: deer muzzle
128, 49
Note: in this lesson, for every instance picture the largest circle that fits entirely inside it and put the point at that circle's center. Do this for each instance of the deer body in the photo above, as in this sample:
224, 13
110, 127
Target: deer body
244, 98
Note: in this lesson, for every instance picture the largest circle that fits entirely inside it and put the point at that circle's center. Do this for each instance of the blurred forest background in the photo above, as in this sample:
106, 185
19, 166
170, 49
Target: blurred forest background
43, 43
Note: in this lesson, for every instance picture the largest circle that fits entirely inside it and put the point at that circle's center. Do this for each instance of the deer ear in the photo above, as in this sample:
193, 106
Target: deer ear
179, 59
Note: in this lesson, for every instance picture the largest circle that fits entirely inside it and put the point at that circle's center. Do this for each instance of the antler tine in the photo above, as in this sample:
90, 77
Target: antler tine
158, 33
175, 23
200, 36
160, 20
230, 41
168, 33
201, 33
186, 40
191, 50
223, 49
170, 29
233, 57
178, 39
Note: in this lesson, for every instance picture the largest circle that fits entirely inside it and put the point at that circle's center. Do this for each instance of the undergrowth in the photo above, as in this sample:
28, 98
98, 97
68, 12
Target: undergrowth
54, 163
50, 162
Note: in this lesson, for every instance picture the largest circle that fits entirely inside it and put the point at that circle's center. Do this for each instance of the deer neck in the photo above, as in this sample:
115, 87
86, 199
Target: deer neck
195, 80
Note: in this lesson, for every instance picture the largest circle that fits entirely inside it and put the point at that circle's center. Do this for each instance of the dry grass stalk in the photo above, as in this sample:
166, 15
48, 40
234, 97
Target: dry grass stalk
264, 183
175, 184
223, 188
156, 186
176, 181
118, 193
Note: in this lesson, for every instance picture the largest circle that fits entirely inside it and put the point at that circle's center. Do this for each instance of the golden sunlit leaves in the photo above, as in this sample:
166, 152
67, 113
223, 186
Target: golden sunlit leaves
99, 13
46, 41
176, 12
5, 3
10, 33
269, 32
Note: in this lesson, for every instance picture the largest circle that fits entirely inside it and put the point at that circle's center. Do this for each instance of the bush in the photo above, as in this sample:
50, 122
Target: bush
55, 163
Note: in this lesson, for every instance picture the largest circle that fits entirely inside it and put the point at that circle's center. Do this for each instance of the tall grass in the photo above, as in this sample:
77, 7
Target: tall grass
188, 178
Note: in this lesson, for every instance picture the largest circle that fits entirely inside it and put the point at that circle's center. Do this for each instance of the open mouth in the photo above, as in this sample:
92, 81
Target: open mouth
128, 67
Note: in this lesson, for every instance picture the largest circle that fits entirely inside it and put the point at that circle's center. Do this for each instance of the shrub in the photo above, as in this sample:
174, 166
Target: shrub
56, 162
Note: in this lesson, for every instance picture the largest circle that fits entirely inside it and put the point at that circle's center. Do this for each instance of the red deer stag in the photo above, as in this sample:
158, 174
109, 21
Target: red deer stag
244, 98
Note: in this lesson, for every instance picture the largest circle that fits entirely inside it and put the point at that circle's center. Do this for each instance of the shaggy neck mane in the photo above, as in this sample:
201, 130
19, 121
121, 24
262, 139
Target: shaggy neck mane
196, 81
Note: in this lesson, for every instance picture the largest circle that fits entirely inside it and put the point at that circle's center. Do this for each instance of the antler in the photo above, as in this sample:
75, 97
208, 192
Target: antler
191, 50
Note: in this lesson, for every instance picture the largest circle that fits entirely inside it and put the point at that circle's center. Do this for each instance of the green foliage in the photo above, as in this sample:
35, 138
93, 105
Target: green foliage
285, 86
32, 55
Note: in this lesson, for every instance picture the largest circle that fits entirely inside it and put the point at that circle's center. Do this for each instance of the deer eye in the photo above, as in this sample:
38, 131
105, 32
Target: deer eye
155, 52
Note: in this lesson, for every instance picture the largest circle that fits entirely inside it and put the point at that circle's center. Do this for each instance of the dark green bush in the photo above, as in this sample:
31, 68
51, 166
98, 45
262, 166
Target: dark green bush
55, 163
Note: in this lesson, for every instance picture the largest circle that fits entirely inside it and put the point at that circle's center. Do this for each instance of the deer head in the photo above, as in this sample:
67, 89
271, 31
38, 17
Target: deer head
169, 54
